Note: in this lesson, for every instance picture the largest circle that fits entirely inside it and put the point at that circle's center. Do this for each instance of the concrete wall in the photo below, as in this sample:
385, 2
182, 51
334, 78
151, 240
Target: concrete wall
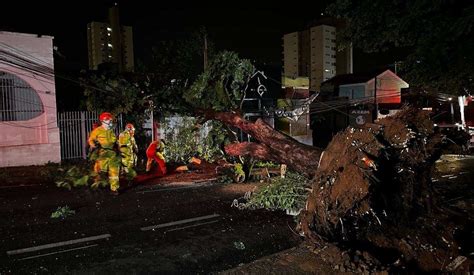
353, 91
290, 55
34, 141
323, 55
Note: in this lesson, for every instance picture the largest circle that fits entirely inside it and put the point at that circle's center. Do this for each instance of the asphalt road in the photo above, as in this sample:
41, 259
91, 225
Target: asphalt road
171, 228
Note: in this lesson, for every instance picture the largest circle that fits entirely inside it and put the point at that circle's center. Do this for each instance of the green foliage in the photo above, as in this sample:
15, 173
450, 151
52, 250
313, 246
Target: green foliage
62, 212
171, 67
181, 140
167, 84
186, 139
438, 35
222, 86
113, 93
239, 174
287, 193
74, 176
179, 59
232, 173
119, 95
209, 148
267, 164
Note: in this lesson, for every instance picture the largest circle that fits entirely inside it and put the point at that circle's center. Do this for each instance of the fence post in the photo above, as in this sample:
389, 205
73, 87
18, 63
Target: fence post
84, 134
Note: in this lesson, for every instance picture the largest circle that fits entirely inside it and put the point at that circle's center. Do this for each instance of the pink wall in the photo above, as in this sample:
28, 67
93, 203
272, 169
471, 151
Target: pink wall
35, 141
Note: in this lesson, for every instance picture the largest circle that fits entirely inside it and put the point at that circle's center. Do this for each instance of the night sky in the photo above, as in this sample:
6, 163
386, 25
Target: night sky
252, 30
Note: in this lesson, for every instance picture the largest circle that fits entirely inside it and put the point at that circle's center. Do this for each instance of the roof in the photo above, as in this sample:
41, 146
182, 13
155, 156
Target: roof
354, 78
27, 34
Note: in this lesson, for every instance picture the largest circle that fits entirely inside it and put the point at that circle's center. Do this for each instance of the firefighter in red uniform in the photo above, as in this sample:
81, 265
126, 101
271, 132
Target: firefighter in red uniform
154, 152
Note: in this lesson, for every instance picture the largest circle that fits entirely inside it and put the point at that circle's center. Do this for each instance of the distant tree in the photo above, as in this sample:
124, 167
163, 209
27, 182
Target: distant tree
172, 66
112, 93
439, 33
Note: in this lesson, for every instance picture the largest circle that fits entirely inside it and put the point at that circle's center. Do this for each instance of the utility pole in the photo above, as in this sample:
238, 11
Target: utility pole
205, 51
376, 109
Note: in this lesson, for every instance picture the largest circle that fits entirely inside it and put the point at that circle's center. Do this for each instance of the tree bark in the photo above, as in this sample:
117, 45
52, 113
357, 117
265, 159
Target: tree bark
271, 144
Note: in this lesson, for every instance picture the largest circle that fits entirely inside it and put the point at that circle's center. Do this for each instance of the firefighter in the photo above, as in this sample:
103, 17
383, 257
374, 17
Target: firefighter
128, 150
93, 153
103, 140
155, 152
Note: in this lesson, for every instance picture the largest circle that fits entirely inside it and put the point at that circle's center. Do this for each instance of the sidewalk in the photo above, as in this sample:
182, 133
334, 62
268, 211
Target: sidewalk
297, 260
304, 259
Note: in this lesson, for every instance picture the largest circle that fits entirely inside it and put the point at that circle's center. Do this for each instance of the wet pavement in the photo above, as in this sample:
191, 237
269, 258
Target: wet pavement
178, 227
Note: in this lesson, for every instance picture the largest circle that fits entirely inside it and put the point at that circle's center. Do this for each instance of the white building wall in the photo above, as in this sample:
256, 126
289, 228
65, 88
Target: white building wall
323, 55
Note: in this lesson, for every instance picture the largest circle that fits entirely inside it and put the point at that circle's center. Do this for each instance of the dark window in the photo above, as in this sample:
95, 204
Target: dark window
18, 101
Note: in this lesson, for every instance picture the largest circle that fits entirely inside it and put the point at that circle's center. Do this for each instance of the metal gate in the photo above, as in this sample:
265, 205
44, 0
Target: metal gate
74, 129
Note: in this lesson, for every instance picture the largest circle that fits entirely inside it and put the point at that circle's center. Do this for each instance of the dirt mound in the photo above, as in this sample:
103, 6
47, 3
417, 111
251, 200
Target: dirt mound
195, 172
373, 183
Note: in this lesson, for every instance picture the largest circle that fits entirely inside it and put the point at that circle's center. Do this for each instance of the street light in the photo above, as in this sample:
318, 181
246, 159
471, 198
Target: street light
450, 99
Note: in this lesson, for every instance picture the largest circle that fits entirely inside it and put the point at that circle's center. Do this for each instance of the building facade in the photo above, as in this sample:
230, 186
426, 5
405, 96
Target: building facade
110, 42
354, 100
313, 53
28, 118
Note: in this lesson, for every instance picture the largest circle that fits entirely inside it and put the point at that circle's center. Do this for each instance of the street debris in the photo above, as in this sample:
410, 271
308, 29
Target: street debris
239, 245
456, 263
62, 212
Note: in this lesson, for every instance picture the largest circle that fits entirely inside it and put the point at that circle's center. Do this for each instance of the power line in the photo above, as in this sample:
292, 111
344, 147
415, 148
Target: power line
41, 70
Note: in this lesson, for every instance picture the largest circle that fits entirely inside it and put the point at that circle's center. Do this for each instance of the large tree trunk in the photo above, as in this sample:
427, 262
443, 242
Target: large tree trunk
272, 145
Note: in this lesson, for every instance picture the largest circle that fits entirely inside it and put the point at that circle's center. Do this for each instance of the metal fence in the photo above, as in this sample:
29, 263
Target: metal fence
74, 129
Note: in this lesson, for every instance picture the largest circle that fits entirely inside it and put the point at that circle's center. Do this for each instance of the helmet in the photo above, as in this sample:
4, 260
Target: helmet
129, 127
106, 120
105, 116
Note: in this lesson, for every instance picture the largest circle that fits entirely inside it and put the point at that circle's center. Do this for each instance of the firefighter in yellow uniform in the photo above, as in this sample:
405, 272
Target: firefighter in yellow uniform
103, 140
128, 150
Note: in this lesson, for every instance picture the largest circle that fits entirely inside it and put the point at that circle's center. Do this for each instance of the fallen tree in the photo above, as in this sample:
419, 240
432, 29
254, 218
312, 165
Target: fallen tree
377, 174
368, 184
371, 186
272, 145
365, 176
371, 189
